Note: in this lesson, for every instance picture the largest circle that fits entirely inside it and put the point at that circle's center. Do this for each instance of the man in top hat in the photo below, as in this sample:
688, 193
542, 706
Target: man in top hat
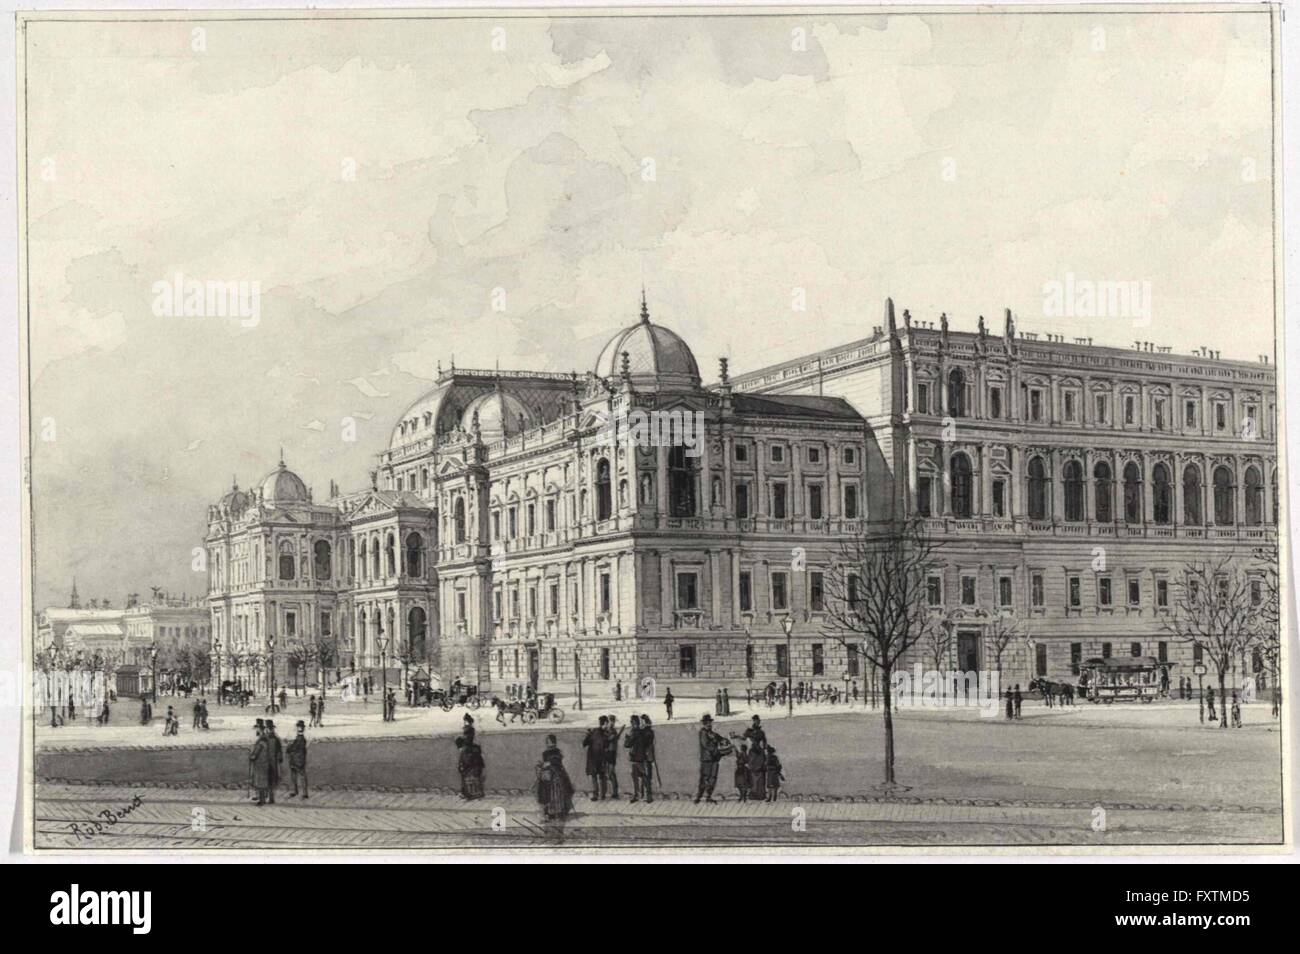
259, 766
611, 755
646, 747
594, 742
298, 761
276, 749
632, 743
711, 746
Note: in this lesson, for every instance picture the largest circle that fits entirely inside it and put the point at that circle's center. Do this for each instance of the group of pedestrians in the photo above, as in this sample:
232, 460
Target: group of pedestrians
390, 706
316, 710
266, 762
759, 772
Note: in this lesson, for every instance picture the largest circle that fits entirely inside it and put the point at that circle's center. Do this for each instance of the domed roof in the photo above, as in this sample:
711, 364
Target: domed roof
654, 354
236, 501
283, 486
500, 414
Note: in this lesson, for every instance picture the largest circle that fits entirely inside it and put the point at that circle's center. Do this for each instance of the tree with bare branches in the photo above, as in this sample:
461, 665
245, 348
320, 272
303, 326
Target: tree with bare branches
1212, 609
1000, 633
876, 603
1267, 636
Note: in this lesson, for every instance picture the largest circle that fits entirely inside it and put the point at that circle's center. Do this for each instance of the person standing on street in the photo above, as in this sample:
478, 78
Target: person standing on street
611, 756
259, 767
1236, 710
276, 749
197, 720
311, 709
298, 761
471, 765
712, 748
668, 703
1209, 701
633, 744
742, 772
647, 746
1019, 699
594, 743
774, 774
320, 710
757, 765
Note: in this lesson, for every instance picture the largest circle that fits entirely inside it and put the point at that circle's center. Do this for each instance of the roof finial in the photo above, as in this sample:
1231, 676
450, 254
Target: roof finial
234, 482
282, 457
645, 311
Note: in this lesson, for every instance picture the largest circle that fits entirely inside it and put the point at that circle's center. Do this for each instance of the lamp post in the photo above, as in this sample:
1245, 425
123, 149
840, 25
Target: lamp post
787, 623
216, 651
270, 646
153, 668
577, 669
383, 666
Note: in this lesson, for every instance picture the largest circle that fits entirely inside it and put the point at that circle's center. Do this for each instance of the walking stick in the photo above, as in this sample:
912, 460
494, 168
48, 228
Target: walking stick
658, 777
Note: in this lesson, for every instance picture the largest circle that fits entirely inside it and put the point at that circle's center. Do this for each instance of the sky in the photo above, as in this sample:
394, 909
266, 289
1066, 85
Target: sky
410, 192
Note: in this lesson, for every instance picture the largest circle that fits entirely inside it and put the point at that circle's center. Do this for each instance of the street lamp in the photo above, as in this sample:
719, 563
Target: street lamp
383, 665
787, 623
270, 644
216, 650
153, 667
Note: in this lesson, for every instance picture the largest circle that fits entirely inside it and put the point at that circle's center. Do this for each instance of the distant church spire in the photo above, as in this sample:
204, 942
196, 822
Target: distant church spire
74, 601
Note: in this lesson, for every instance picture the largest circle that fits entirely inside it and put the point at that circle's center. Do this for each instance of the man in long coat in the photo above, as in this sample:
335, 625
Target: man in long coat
633, 744
712, 748
611, 755
646, 749
259, 768
298, 761
276, 749
594, 743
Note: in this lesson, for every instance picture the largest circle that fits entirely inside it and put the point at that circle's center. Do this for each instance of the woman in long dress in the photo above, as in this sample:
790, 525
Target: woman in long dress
470, 765
554, 788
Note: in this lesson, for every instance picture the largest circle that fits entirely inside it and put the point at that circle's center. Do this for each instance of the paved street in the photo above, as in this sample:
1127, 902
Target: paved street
1158, 774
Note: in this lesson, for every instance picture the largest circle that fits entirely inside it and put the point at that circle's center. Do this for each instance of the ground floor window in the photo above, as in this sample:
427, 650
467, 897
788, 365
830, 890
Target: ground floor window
1076, 658
1040, 660
604, 664
782, 662
686, 660
854, 666
818, 660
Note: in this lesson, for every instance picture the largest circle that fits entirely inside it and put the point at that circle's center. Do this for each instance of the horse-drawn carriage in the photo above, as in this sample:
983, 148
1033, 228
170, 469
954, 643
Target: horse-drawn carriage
529, 710
459, 694
1121, 678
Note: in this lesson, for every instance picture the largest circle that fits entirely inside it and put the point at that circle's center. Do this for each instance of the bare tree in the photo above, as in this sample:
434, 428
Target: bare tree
938, 644
1267, 636
877, 603
1000, 633
1212, 609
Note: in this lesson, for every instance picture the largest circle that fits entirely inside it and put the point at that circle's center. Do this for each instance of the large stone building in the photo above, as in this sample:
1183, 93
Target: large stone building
512, 532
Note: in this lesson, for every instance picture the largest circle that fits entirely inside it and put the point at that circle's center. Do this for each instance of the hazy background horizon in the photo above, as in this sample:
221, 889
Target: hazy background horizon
386, 182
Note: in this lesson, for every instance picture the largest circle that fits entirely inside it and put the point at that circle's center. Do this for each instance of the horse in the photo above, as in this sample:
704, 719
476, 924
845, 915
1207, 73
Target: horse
1064, 691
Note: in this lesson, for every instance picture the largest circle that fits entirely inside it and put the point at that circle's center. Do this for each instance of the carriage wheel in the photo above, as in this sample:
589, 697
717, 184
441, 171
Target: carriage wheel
557, 715
474, 702
530, 717
446, 705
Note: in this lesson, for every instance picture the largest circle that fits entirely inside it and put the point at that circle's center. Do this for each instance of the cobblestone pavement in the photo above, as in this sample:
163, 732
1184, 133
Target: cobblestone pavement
206, 817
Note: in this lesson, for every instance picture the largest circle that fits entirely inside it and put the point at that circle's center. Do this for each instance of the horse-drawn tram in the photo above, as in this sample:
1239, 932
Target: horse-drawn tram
1121, 678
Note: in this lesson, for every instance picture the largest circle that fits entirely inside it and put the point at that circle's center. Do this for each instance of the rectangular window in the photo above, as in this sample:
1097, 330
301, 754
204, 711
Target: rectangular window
532, 602
999, 498
1198, 654
1130, 409
777, 453
818, 660
749, 662
1040, 659
1099, 408
1220, 416
780, 592
816, 592
923, 398
1103, 591
1134, 592
742, 452
968, 591
814, 455
496, 525
1069, 406
555, 663
550, 516
1076, 658
686, 660
512, 522
1162, 593
782, 662
514, 602
1159, 408
553, 599
934, 591
1074, 592
742, 501
778, 501
604, 593
850, 501
1162, 651
1135, 649
995, 403
1256, 593
814, 502
604, 663
1036, 589
923, 496
1004, 591
1035, 404
746, 592
853, 665
460, 607
1189, 413
850, 456
687, 594
531, 520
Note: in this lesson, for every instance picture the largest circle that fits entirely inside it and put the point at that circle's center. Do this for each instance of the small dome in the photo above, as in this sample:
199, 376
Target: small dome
283, 486
500, 414
655, 354
236, 501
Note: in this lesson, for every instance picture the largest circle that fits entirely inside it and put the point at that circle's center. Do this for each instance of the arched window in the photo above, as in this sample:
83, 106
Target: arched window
681, 483
1192, 516
414, 555
322, 560
1103, 491
1132, 493
287, 561
1254, 497
390, 554
961, 485
416, 628
458, 512
647, 491
1161, 498
374, 558
604, 503
1037, 489
1223, 509
1073, 475
957, 392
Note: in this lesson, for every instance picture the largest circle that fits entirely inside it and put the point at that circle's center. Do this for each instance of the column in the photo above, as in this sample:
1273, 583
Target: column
1017, 482
1148, 497
715, 589
666, 589
661, 486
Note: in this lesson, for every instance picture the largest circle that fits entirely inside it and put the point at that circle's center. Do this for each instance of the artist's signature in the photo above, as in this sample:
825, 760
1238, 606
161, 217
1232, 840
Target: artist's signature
105, 820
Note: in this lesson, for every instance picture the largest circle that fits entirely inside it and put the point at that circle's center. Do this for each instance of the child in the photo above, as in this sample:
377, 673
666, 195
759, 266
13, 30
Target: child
774, 774
742, 772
